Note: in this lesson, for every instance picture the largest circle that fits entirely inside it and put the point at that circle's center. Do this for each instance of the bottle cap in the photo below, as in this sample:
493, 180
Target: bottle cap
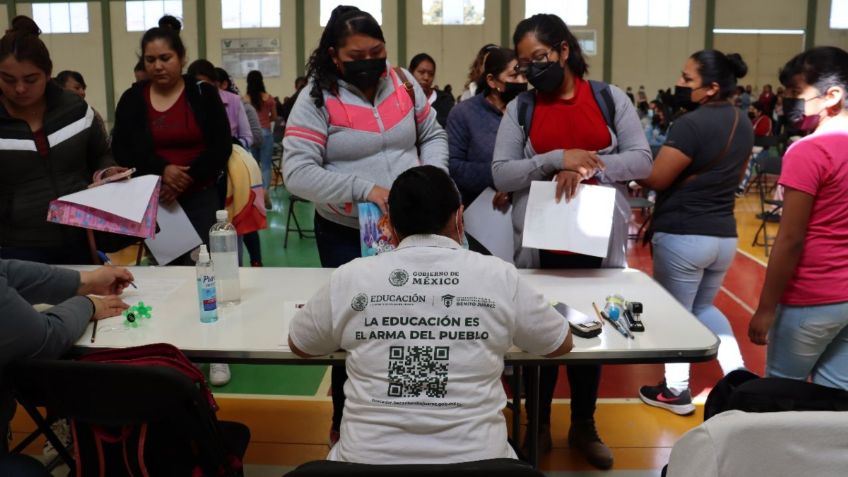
222, 216
203, 256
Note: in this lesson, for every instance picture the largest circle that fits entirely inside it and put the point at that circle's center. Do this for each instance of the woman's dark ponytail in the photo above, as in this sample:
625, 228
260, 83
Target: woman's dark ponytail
722, 69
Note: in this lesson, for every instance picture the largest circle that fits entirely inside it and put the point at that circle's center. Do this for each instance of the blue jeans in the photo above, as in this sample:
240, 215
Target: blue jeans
810, 341
263, 155
692, 268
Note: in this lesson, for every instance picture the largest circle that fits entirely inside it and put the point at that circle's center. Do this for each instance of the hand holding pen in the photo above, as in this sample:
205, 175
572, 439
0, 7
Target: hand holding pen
106, 280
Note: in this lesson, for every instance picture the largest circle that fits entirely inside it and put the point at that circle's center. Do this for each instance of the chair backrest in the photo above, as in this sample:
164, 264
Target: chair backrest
483, 468
117, 396
768, 141
771, 165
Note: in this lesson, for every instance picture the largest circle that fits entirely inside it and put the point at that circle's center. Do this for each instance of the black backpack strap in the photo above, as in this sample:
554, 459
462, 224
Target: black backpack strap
526, 105
603, 96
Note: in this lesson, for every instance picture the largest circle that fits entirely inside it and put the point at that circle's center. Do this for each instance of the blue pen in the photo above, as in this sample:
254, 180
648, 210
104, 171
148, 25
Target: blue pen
105, 259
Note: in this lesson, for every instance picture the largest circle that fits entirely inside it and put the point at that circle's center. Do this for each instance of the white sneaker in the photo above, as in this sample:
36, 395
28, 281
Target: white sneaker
219, 374
63, 431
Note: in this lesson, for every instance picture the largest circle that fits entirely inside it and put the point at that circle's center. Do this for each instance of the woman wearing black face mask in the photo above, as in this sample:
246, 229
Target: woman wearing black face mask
473, 126
571, 130
354, 131
694, 232
803, 309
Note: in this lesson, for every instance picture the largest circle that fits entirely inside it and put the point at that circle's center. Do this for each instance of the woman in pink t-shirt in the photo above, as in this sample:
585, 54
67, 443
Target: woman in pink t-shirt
803, 310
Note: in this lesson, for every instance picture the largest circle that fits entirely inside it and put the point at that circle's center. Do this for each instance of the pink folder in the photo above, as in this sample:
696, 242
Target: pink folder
87, 217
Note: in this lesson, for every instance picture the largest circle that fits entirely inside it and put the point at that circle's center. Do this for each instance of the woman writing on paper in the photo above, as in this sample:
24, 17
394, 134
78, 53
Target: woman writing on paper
694, 232
176, 127
350, 134
570, 130
51, 142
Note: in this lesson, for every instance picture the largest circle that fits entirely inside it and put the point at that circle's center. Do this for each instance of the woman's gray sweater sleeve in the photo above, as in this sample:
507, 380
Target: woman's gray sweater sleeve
510, 170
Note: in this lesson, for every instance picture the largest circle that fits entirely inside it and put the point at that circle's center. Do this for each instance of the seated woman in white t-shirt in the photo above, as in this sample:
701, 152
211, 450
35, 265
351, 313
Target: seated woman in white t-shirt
426, 327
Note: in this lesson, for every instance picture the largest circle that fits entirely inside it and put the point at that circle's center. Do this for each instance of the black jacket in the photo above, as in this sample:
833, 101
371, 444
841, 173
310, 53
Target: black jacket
132, 140
443, 104
78, 147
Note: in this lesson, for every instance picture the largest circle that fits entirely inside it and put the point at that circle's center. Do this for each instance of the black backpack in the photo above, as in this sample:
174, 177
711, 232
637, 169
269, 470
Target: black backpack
745, 391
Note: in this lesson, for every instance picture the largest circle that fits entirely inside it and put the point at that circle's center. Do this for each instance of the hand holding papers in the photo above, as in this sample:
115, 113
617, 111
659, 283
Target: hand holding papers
490, 226
176, 235
582, 225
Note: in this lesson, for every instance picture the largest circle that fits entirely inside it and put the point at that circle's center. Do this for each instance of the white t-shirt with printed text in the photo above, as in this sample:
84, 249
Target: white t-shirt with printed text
426, 327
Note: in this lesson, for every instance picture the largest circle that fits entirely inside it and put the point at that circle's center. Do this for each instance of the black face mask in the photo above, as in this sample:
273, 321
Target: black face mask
683, 98
364, 74
796, 115
752, 116
511, 90
546, 76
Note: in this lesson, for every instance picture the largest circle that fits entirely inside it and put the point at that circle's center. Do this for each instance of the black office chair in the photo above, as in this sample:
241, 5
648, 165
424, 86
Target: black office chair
482, 468
770, 209
158, 404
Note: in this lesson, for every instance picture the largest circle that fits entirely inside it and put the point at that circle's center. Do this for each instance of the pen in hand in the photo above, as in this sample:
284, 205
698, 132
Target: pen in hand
94, 332
105, 259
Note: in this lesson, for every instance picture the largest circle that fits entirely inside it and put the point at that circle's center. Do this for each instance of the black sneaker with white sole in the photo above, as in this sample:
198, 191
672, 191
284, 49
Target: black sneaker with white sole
661, 396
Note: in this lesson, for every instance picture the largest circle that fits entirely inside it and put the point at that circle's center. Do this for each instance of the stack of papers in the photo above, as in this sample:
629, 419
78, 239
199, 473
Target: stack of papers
582, 225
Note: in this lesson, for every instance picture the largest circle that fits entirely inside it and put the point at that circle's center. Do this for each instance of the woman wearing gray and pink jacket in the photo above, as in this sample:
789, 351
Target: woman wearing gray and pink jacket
350, 135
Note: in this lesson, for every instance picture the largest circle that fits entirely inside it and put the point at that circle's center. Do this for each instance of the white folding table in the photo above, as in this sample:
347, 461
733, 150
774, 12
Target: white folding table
256, 330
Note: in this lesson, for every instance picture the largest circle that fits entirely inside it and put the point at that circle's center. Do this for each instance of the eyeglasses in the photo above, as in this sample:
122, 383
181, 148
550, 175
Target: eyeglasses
523, 66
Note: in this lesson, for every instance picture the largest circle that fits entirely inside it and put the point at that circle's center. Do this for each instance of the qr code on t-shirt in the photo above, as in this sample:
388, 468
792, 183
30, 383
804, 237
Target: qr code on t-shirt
418, 369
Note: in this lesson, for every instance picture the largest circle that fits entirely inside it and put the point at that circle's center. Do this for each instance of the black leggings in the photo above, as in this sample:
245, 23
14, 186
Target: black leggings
583, 379
254, 247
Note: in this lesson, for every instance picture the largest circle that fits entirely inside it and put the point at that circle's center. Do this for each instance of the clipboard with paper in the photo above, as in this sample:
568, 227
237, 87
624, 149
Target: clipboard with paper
125, 207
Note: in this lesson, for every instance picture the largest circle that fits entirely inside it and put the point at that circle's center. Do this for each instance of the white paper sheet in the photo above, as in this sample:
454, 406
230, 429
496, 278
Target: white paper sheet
290, 308
176, 234
128, 199
580, 226
489, 226
152, 292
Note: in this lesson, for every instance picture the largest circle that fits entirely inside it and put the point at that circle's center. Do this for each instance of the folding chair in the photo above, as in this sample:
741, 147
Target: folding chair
277, 156
483, 468
646, 207
182, 432
767, 143
301, 232
770, 209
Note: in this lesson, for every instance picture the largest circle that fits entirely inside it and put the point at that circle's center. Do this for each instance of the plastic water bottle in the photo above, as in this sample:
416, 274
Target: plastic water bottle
223, 243
206, 287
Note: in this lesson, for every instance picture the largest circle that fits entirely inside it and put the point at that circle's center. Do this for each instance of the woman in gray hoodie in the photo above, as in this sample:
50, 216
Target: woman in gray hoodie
354, 131
571, 130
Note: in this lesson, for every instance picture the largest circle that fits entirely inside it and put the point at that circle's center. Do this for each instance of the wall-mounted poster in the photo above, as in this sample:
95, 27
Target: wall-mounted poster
241, 55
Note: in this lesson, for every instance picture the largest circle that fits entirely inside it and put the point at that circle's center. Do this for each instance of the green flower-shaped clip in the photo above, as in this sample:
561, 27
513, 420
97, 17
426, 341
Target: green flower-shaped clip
134, 313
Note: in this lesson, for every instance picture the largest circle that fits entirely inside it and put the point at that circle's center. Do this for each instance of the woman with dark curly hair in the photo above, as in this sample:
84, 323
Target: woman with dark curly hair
354, 131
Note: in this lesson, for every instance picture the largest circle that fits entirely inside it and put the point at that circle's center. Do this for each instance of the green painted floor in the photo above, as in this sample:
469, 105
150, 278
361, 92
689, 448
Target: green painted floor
300, 252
